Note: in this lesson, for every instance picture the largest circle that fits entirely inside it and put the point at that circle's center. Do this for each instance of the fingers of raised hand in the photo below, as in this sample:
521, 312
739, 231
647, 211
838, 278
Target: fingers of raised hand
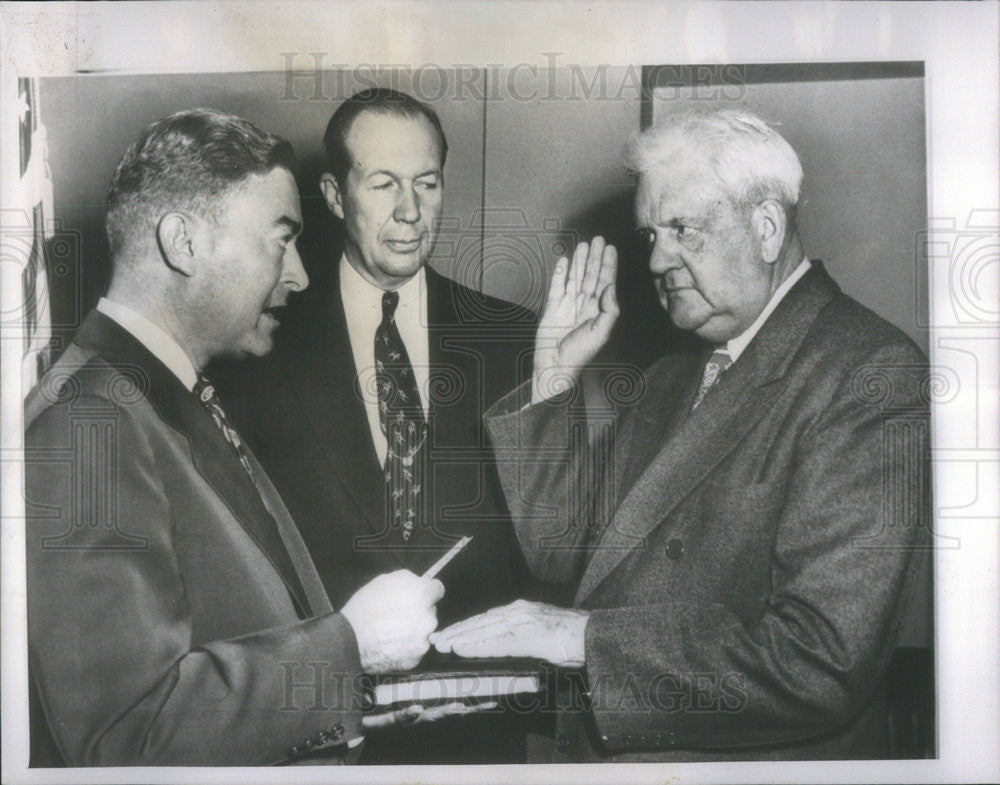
557, 286
580, 255
594, 262
608, 268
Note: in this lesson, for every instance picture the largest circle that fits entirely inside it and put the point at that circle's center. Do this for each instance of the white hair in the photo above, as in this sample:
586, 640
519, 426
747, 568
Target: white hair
748, 157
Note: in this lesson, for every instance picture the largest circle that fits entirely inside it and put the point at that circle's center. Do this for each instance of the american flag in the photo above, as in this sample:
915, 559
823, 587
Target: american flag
29, 227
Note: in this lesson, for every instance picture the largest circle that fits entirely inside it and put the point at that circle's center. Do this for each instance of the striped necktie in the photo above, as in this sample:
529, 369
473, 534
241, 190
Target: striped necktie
714, 368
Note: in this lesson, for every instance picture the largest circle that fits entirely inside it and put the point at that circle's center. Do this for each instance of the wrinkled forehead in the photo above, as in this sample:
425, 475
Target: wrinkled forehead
681, 185
392, 142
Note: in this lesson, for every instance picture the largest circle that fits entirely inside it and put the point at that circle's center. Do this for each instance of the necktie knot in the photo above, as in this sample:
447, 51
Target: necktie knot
389, 302
717, 365
721, 358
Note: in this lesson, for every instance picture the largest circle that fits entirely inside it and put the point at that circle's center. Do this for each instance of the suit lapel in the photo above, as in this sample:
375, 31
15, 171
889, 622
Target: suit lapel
444, 431
302, 563
671, 386
211, 454
699, 441
322, 372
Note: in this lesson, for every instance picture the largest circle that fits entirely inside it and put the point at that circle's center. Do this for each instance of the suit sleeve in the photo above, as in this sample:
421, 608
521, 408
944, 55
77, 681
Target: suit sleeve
845, 556
110, 633
548, 472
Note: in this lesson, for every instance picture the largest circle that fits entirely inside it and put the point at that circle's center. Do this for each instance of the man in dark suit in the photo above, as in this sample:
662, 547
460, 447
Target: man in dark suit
174, 614
740, 595
368, 415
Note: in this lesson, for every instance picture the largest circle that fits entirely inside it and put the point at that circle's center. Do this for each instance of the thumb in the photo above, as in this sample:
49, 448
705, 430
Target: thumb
609, 300
608, 315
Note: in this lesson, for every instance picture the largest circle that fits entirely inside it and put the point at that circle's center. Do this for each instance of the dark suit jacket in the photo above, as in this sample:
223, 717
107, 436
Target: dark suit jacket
750, 577
302, 411
170, 605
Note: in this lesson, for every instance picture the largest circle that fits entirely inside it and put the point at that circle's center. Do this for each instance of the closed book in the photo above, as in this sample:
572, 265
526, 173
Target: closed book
447, 678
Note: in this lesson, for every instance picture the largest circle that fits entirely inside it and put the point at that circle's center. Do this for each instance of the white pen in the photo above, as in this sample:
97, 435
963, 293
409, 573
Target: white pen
440, 563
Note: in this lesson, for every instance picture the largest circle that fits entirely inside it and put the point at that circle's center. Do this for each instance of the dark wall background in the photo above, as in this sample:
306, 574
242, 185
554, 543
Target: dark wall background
535, 164
92, 119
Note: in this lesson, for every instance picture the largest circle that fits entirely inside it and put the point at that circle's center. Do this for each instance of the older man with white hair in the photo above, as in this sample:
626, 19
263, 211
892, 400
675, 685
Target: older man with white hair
744, 563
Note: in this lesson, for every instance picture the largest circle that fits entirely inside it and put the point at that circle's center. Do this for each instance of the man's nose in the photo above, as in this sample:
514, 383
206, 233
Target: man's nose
407, 206
294, 273
663, 257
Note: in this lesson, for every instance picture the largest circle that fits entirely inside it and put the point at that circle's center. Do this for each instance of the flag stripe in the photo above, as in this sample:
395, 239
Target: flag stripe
35, 190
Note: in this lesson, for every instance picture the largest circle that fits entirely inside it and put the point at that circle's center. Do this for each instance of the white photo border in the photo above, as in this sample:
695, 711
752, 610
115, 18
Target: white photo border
958, 42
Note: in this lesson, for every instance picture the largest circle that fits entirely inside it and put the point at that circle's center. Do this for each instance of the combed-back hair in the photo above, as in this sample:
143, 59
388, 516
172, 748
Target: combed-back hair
378, 100
188, 160
748, 157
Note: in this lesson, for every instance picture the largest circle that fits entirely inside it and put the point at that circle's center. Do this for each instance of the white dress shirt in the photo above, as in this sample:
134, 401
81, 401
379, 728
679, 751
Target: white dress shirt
735, 346
363, 309
153, 337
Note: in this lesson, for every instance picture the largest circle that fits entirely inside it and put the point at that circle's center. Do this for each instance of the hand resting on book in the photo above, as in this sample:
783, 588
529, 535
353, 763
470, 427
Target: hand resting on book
521, 629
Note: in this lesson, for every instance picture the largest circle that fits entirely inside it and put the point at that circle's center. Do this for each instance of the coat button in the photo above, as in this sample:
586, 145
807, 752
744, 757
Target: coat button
322, 737
675, 549
562, 744
294, 752
337, 732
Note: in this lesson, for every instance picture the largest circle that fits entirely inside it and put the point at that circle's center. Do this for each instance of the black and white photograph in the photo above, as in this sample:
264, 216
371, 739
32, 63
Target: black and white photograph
467, 392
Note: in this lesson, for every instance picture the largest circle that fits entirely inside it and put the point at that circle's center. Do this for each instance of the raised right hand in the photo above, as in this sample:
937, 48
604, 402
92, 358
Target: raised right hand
580, 311
392, 616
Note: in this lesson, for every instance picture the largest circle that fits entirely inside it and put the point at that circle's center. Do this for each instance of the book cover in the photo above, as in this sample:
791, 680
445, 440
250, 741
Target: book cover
447, 678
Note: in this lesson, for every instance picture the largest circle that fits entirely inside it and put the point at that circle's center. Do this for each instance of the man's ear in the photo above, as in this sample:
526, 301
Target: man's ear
331, 192
769, 223
175, 237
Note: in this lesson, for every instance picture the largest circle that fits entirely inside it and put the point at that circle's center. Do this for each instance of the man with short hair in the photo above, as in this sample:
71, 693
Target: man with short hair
368, 416
740, 595
174, 614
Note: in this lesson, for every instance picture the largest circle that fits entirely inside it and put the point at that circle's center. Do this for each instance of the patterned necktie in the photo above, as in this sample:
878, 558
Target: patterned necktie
714, 368
205, 391
401, 417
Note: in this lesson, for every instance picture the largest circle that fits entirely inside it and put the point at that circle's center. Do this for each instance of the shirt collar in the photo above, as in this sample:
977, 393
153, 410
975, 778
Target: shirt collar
735, 346
356, 289
154, 338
